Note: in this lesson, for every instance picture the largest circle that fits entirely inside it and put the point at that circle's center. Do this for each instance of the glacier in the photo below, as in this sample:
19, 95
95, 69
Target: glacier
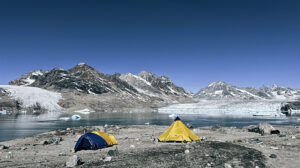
32, 96
221, 108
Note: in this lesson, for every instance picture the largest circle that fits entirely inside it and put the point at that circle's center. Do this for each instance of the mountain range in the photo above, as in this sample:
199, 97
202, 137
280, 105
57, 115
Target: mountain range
84, 87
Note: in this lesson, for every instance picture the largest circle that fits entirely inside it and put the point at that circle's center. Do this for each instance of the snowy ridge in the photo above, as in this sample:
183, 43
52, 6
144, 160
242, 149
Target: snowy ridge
33, 97
224, 91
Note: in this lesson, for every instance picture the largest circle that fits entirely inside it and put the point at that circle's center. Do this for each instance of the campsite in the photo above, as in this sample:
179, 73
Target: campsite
138, 146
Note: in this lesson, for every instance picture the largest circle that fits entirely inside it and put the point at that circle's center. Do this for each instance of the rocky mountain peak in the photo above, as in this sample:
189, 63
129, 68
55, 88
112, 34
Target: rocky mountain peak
147, 76
217, 83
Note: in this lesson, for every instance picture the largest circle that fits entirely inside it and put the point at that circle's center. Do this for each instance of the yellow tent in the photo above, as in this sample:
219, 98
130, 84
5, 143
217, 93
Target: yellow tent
178, 132
110, 139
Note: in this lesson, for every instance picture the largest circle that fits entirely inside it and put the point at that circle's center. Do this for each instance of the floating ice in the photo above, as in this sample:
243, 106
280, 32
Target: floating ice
76, 117
84, 111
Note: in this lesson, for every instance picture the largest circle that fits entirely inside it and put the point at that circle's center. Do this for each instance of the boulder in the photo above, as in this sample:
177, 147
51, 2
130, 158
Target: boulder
265, 128
3, 147
73, 161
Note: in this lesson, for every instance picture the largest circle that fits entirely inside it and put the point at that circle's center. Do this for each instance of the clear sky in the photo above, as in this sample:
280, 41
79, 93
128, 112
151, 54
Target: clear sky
242, 42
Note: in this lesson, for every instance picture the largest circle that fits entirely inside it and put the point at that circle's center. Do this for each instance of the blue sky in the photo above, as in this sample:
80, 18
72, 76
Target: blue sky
245, 43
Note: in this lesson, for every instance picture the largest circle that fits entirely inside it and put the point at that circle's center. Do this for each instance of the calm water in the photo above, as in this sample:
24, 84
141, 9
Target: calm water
28, 125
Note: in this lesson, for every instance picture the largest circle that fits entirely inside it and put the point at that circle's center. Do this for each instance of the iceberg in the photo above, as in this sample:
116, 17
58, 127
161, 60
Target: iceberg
3, 112
76, 117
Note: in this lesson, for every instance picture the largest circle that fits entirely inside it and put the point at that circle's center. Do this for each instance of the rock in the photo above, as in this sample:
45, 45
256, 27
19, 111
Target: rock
68, 129
23, 148
56, 140
73, 161
112, 153
282, 135
273, 156
132, 146
227, 165
293, 137
253, 128
275, 132
187, 151
44, 142
107, 159
3, 147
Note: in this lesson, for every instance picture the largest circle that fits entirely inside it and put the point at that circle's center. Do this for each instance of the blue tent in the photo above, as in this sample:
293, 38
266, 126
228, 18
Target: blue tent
94, 140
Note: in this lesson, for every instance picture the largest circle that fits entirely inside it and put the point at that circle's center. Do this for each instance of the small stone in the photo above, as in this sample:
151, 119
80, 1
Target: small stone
9, 156
187, 151
23, 148
62, 154
107, 159
274, 147
73, 161
132, 146
227, 165
235, 141
293, 137
273, 156
112, 153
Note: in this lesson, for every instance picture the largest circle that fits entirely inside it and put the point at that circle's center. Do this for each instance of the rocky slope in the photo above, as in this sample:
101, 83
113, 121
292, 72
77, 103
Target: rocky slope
84, 87
224, 91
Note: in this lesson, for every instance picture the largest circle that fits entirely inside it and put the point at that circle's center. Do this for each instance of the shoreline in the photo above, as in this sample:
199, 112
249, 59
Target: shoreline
52, 149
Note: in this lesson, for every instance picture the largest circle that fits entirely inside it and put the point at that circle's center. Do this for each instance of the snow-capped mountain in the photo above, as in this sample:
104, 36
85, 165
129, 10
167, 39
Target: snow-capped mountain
82, 78
28, 78
224, 91
154, 86
84, 87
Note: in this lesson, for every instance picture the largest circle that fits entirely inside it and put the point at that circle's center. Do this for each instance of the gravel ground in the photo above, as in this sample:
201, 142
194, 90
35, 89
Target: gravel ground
137, 147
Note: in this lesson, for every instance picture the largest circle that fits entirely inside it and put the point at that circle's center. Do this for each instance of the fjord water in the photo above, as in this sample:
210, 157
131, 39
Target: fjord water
27, 125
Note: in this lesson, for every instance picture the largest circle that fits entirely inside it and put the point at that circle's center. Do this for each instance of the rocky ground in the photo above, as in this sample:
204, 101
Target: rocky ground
137, 147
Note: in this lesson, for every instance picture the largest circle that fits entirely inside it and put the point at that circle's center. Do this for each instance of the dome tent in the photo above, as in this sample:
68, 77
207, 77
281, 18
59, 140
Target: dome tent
178, 132
95, 140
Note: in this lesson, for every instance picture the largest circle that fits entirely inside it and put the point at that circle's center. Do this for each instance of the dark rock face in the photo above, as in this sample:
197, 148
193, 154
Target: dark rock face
28, 78
6, 103
288, 108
